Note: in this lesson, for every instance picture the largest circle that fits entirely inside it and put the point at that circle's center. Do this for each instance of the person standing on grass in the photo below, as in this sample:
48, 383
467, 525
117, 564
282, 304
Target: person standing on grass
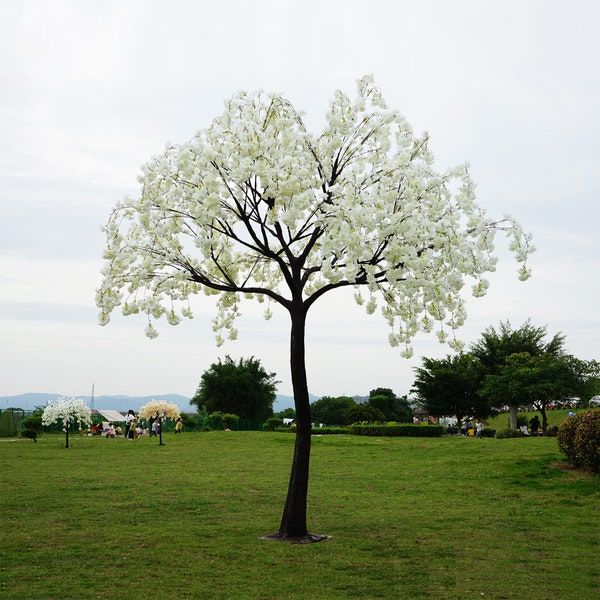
478, 429
179, 425
128, 421
534, 425
132, 434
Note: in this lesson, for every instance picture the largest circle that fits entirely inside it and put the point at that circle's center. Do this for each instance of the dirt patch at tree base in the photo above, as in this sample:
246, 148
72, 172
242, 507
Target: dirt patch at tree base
568, 468
309, 538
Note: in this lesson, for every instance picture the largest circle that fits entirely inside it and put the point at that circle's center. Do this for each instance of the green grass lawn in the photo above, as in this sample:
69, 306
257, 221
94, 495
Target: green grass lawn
409, 518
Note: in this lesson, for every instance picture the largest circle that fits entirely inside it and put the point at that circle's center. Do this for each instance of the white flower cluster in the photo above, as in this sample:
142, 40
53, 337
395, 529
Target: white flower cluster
159, 409
256, 207
67, 410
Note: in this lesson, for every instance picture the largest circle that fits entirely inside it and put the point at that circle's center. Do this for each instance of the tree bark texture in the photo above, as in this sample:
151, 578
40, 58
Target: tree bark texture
513, 408
293, 522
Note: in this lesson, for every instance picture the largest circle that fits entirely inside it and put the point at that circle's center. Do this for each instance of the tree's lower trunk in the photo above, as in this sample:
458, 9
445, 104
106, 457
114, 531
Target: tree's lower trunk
160, 424
67, 430
542, 410
293, 522
513, 416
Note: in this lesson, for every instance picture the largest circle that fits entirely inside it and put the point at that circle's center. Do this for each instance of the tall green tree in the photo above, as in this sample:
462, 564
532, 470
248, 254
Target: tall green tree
256, 207
588, 372
535, 381
450, 387
331, 411
497, 345
243, 388
364, 412
392, 407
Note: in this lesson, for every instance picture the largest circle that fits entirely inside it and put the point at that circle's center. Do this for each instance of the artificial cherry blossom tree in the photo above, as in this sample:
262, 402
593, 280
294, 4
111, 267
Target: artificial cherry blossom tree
256, 207
68, 411
160, 410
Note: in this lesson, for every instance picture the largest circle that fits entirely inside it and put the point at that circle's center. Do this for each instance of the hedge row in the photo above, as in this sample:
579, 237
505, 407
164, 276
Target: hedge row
401, 429
315, 430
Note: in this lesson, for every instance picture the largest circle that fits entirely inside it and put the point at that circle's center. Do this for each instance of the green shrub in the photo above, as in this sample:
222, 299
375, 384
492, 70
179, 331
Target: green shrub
31, 434
220, 418
31, 427
566, 439
364, 412
579, 440
329, 430
188, 422
229, 419
315, 430
509, 433
272, 424
33, 422
396, 430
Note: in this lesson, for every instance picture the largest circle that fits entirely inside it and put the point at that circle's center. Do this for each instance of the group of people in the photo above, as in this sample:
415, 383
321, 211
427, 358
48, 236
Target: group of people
468, 428
109, 431
132, 429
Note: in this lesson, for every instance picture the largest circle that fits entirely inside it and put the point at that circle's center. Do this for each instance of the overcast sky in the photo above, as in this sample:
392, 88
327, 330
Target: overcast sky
90, 90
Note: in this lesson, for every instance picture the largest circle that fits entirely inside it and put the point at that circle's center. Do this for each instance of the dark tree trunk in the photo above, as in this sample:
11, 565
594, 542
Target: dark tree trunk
513, 408
542, 410
67, 425
293, 522
160, 423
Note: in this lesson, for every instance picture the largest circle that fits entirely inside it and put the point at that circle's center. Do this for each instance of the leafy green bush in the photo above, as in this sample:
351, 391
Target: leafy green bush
272, 424
224, 419
30, 434
579, 439
566, 439
364, 412
188, 422
31, 427
329, 430
33, 422
315, 430
508, 433
403, 429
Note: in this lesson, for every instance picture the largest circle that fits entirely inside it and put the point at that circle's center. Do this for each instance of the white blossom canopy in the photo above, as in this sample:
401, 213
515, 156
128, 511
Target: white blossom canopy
67, 410
256, 206
159, 409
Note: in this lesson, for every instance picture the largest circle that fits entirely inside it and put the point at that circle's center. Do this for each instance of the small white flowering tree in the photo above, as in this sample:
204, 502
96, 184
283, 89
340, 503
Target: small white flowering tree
159, 410
68, 411
256, 207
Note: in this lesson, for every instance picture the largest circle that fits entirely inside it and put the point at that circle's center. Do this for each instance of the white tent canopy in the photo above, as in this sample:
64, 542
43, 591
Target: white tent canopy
114, 416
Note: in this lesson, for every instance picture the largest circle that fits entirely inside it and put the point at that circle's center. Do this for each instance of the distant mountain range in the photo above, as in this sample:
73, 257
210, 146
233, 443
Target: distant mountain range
30, 401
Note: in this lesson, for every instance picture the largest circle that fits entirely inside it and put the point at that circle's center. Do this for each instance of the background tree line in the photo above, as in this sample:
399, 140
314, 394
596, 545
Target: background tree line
382, 405
505, 369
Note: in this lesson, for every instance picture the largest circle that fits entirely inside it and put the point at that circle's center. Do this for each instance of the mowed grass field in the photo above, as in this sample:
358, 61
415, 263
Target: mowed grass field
409, 518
